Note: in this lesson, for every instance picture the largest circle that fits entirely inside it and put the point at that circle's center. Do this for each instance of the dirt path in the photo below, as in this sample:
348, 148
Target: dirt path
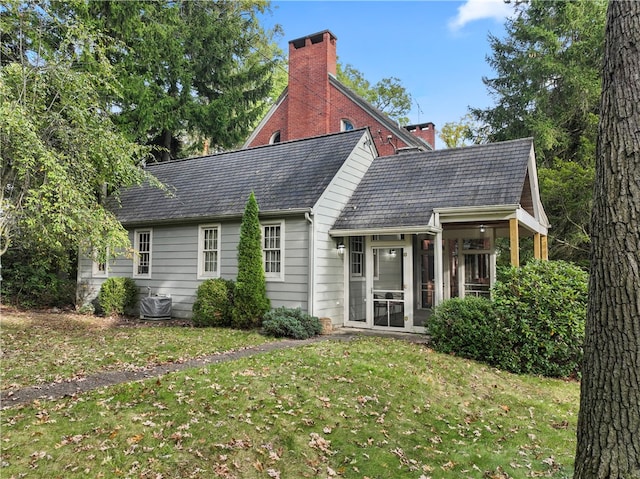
68, 388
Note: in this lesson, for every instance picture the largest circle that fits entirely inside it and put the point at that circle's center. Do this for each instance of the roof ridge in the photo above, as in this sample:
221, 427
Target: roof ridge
254, 148
493, 143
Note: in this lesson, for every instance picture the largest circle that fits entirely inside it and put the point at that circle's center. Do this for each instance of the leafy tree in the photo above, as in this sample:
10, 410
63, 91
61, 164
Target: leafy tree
388, 95
609, 418
58, 146
464, 132
547, 85
250, 300
191, 71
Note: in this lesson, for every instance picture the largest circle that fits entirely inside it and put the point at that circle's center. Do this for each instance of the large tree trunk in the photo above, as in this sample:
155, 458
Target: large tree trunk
609, 420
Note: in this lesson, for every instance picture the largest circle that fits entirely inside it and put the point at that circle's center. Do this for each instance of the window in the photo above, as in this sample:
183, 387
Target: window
142, 253
99, 268
357, 256
208, 251
275, 138
272, 248
346, 125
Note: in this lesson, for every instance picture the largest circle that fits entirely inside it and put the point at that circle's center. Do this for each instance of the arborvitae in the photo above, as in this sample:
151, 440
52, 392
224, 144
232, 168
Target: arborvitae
251, 302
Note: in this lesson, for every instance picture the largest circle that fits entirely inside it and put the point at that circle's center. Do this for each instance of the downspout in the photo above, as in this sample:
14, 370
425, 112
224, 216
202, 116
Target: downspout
312, 262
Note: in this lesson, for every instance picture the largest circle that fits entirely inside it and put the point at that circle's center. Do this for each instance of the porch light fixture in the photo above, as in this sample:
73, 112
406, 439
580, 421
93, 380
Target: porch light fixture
340, 247
392, 253
483, 228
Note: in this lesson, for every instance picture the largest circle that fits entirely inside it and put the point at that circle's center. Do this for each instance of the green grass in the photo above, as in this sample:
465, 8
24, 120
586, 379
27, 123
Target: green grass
373, 407
39, 348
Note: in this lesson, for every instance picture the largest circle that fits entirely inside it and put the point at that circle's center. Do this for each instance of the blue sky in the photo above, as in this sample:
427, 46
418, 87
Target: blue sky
437, 49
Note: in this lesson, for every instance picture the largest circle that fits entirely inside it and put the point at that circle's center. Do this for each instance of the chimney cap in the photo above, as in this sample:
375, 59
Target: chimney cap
300, 42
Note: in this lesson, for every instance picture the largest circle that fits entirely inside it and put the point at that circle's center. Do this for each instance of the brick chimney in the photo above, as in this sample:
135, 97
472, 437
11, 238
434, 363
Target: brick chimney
311, 60
426, 131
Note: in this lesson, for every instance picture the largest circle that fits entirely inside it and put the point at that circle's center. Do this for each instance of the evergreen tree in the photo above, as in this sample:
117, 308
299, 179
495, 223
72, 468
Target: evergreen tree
547, 86
191, 72
250, 299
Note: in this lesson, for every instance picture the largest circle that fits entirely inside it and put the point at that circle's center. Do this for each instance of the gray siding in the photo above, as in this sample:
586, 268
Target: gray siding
174, 266
329, 275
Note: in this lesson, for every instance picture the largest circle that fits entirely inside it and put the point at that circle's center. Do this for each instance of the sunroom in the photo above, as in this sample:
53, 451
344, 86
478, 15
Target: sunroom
422, 227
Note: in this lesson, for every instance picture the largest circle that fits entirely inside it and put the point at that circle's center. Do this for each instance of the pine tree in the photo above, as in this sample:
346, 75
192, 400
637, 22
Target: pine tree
250, 300
547, 85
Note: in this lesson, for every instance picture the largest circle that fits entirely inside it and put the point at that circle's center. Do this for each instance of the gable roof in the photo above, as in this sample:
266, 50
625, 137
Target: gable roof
408, 138
284, 176
402, 133
403, 190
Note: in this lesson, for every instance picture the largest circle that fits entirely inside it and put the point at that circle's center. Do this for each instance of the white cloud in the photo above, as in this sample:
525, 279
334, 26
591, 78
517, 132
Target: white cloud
473, 10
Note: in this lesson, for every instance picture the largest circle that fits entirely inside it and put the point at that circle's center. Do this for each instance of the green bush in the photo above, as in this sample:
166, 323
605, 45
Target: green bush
117, 295
533, 325
37, 279
291, 323
467, 328
541, 309
214, 303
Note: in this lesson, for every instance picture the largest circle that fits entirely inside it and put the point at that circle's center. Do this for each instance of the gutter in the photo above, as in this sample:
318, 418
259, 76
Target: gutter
223, 217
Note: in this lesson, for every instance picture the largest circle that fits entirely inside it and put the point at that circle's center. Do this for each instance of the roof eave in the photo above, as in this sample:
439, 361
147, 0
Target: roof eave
219, 217
385, 230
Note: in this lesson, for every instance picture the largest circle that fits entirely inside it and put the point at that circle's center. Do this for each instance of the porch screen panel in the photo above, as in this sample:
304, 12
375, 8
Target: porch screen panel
357, 285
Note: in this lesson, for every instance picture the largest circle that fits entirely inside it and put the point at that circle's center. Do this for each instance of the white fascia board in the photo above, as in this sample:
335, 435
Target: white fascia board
491, 213
476, 213
529, 222
386, 231
538, 209
266, 118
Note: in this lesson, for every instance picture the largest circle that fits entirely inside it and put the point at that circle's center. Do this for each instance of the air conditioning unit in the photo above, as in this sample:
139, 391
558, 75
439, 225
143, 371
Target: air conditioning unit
155, 307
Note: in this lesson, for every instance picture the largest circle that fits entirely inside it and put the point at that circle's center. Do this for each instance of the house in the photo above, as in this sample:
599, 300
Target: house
369, 241
316, 103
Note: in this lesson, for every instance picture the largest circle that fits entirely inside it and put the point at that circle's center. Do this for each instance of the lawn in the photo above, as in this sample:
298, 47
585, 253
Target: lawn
370, 408
39, 347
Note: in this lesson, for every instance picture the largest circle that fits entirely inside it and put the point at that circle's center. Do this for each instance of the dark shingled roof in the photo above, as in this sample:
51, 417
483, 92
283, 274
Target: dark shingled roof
403, 190
283, 176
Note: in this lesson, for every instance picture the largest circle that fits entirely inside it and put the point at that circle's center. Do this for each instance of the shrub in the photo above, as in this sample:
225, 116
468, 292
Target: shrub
466, 327
214, 303
251, 301
291, 323
117, 295
35, 279
541, 309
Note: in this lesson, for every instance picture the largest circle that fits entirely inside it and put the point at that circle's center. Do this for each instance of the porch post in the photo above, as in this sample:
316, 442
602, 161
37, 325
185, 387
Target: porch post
438, 265
537, 246
544, 247
514, 242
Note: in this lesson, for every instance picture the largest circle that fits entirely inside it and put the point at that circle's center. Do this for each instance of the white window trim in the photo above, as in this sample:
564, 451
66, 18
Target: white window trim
136, 254
95, 267
343, 124
201, 272
280, 275
361, 274
274, 135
